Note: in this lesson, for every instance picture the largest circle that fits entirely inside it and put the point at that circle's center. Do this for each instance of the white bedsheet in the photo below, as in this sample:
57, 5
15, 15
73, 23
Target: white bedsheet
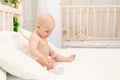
90, 64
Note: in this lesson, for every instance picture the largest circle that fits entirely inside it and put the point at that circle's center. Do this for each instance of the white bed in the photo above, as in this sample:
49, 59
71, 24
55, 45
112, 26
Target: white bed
90, 63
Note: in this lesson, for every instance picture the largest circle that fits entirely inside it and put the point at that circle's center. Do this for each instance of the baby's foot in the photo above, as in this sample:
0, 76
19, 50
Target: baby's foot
71, 58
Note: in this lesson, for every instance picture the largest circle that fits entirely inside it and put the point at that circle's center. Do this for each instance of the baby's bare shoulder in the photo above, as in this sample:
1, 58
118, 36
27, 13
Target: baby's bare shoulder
34, 37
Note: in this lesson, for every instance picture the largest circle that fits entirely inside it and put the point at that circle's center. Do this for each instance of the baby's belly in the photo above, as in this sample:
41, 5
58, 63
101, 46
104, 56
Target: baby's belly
44, 51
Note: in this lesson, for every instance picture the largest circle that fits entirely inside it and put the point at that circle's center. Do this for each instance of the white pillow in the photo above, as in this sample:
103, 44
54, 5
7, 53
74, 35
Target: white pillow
2, 74
18, 64
5, 38
25, 33
20, 42
10, 77
14, 39
48, 76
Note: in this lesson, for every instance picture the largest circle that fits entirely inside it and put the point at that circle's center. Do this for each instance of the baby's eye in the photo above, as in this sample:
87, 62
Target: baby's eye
47, 31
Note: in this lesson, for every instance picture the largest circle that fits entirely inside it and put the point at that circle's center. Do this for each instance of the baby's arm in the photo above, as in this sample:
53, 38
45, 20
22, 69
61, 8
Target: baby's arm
60, 58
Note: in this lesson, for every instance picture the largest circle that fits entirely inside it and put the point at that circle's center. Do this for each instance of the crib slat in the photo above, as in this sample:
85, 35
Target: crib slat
63, 23
114, 22
8, 22
80, 29
12, 25
107, 27
67, 14
73, 34
101, 22
4, 20
87, 21
93, 22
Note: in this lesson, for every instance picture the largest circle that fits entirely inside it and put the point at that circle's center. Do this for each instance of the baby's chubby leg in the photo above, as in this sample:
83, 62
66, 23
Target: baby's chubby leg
60, 58
71, 58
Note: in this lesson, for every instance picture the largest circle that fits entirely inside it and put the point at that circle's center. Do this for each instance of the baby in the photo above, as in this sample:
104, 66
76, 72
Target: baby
38, 44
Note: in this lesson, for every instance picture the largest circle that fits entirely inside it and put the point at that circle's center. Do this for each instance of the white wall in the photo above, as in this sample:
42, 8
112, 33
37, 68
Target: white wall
29, 14
52, 7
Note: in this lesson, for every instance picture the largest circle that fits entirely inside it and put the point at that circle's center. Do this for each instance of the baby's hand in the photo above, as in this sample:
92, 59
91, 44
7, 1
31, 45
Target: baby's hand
51, 63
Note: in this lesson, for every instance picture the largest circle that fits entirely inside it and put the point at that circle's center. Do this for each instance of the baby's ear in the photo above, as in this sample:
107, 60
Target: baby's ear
38, 26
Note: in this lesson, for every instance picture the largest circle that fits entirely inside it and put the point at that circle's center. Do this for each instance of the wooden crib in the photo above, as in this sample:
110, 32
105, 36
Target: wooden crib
6, 17
90, 23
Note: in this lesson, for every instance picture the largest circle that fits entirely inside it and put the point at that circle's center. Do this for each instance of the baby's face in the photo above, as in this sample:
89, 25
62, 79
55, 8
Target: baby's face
45, 31
45, 25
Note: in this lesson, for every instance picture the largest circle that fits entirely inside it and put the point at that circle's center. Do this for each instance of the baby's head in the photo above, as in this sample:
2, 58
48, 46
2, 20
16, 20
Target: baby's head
45, 25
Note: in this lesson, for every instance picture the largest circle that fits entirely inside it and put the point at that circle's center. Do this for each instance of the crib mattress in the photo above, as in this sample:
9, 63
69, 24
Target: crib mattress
90, 64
